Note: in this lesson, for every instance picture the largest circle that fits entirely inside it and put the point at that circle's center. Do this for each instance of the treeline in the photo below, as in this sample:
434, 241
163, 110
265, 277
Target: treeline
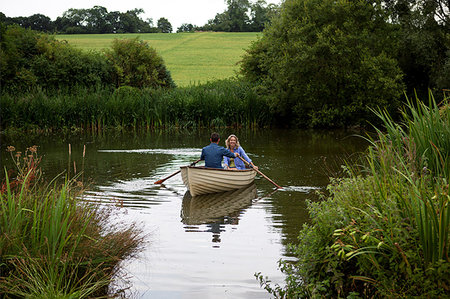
240, 16
91, 20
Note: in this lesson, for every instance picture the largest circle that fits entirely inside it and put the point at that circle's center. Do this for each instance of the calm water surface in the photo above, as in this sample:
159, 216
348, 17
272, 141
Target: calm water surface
208, 246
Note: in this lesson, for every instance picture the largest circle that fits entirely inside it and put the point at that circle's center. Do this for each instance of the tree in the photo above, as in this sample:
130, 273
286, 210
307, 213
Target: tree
424, 41
39, 22
261, 13
238, 15
186, 28
164, 25
97, 21
324, 62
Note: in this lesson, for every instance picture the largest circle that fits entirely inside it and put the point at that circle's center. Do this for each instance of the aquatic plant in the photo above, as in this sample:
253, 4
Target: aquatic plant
384, 229
234, 102
55, 245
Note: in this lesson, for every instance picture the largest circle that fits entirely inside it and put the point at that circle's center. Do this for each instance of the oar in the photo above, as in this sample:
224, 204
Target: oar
262, 174
175, 173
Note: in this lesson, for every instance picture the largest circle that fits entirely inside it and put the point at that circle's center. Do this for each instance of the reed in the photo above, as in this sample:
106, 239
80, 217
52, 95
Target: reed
411, 160
220, 103
383, 229
54, 245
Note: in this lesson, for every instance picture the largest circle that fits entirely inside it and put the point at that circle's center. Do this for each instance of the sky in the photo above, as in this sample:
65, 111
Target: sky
195, 12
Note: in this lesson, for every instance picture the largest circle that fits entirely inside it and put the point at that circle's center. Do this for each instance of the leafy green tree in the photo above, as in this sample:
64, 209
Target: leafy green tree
261, 13
164, 25
323, 63
424, 42
137, 64
186, 28
39, 22
96, 19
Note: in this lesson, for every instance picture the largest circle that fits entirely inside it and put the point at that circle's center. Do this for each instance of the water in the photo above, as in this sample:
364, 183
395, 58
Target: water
208, 247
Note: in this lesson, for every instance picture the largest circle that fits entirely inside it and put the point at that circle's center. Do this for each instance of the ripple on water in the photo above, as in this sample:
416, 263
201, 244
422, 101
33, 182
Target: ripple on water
170, 151
304, 189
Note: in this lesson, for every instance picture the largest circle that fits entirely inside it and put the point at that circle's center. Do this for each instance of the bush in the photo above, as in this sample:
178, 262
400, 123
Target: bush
137, 64
32, 59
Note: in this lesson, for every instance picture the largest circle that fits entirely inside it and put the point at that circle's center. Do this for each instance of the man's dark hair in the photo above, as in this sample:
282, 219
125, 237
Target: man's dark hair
215, 137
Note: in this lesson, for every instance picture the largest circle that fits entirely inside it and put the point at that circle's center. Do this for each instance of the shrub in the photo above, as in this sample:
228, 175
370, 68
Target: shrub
30, 59
137, 64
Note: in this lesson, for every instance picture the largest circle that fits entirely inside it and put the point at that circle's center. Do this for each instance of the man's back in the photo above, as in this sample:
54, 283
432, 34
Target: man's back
213, 155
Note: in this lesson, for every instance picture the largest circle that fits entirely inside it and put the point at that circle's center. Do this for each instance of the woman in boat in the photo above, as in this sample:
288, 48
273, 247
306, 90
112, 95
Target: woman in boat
232, 143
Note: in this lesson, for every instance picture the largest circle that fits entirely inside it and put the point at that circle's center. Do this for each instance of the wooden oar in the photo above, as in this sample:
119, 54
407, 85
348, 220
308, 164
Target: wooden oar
262, 174
175, 173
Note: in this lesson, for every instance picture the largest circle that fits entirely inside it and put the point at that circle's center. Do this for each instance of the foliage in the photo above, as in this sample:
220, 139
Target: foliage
234, 102
186, 28
242, 16
164, 25
92, 20
323, 63
137, 64
385, 234
33, 59
53, 245
424, 43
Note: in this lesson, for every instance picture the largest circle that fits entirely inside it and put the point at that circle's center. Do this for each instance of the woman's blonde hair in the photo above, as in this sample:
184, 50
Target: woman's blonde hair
227, 142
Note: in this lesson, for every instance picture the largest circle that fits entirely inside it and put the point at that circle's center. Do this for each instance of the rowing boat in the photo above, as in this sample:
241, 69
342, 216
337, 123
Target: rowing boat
203, 180
213, 207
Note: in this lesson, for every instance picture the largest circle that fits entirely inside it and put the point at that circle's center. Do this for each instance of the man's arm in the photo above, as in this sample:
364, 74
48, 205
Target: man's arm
227, 153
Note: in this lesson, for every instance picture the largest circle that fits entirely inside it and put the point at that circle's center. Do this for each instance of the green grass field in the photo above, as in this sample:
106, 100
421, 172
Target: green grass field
192, 58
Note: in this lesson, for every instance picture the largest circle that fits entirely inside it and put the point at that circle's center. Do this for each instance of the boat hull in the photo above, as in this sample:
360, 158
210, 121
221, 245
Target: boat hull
203, 180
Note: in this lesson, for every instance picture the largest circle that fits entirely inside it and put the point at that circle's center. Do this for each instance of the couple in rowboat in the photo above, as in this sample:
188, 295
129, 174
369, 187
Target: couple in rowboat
213, 154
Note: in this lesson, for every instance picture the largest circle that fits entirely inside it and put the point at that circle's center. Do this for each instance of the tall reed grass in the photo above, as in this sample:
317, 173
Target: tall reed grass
382, 231
408, 167
54, 245
220, 103
412, 161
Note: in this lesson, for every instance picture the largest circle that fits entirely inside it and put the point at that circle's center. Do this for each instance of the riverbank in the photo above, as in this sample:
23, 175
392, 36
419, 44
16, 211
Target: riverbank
383, 229
216, 104
53, 244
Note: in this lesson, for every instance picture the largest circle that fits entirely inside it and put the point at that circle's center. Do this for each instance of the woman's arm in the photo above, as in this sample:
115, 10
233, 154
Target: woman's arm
226, 161
244, 155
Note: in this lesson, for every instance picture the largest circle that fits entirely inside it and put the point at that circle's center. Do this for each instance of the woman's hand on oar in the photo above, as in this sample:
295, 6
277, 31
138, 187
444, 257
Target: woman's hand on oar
262, 174
175, 173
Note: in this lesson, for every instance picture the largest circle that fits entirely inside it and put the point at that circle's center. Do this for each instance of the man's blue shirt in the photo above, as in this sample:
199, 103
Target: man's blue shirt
213, 155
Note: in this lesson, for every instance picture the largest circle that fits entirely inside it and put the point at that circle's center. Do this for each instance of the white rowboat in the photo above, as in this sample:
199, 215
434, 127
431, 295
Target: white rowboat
203, 180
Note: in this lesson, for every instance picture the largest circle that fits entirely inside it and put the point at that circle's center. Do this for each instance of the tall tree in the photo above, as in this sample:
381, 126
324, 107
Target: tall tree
164, 25
324, 62
186, 28
238, 15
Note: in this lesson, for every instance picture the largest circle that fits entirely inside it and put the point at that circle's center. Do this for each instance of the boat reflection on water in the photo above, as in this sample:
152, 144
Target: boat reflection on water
216, 209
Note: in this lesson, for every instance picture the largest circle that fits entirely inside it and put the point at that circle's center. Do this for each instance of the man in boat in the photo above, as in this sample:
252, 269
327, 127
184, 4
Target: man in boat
213, 154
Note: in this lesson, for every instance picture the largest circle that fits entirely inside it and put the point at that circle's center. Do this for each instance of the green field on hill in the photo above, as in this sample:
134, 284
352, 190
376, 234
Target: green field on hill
192, 58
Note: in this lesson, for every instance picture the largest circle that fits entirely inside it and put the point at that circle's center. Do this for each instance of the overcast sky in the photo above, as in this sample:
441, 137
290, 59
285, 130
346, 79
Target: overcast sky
196, 12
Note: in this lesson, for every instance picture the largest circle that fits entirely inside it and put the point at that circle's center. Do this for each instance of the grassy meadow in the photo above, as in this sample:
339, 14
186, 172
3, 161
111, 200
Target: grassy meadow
192, 58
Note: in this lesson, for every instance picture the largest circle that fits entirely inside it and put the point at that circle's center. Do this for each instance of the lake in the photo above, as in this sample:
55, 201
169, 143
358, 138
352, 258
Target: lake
209, 246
